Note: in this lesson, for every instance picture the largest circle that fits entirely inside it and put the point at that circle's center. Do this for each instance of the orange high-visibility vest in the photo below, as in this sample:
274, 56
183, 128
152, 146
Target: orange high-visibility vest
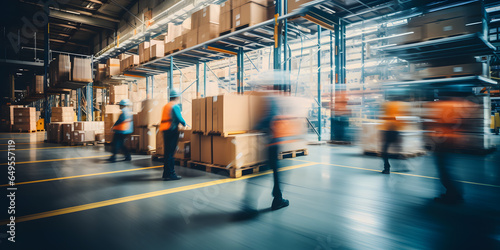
286, 128
392, 110
123, 126
166, 118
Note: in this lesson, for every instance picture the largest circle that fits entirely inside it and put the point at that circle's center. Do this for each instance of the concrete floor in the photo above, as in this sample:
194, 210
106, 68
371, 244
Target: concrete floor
69, 198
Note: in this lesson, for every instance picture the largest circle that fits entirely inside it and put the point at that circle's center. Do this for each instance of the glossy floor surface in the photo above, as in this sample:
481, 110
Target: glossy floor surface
69, 198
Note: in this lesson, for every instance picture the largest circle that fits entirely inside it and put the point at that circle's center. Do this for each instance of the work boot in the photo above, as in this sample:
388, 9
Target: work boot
128, 158
172, 177
279, 203
111, 159
448, 199
386, 171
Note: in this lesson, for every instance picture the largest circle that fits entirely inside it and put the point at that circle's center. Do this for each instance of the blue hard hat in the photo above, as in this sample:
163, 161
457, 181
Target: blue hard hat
174, 93
125, 102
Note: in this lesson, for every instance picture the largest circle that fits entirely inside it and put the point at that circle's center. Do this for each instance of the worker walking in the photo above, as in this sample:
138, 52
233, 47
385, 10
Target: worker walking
391, 127
122, 128
171, 117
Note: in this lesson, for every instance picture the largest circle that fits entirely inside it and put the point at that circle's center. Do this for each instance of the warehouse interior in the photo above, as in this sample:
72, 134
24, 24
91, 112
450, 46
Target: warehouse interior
292, 124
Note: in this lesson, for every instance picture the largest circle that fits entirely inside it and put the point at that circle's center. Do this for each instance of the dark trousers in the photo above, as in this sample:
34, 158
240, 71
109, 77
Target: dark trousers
273, 163
442, 157
118, 144
389, 137
170, 139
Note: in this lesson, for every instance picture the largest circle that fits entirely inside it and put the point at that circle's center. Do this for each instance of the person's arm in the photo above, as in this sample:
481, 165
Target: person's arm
177, 113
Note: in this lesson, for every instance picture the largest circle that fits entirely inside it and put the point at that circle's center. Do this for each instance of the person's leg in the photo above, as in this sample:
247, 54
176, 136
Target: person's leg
453, 193
114, 147
278, 201
173, 147
165, 153
125, 150
385, 151
170, 143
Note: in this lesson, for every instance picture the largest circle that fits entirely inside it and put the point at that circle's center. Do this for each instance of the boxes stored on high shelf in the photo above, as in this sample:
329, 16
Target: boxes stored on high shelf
183, 150
249, 14
209, 14
101, 72
191, 38
38, 86
148, 139
62, 114
470, 10
237, 151
403, 35
81, 70
151, 112
83, 136
118, 93
157, 49
295, 4
230, 113
144, 52
226, 6
226, 21
113, 67
207, 32
67, 132
451, 27
480, 69
60, 70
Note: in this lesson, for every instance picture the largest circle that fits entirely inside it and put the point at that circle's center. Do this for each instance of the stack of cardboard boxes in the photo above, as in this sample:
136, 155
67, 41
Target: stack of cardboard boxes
244, 13
148, 120
118, 93
60, 70
111, 114
127, 61
221, 130
62, 114
101, 72
183, 150
7, 117
38, 85
176, 35
113, 67
24, 119
81, 70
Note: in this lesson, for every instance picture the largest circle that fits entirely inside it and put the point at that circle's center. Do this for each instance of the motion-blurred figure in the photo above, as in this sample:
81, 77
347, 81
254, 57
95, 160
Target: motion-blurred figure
446, 123
123, 127
171, 117
391, 127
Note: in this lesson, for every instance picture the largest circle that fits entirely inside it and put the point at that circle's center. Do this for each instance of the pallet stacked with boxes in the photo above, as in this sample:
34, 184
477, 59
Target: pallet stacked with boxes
222, 132
175, 39
183, 150
62, 114
7, 118
24, 120
112, 67
81, 70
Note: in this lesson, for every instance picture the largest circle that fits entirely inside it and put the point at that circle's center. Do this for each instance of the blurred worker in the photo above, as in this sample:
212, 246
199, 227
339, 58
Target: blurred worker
392, 124
282, 128
170, 119
122, 128
446, 115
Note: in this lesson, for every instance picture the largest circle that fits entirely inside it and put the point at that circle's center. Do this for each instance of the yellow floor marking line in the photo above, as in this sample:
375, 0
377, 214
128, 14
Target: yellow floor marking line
106, 203
22, 143
61, 159
80, 176
17, 149
414, 175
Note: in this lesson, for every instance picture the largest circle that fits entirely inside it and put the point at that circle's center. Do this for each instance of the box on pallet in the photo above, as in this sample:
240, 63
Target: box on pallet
405, 35
207, 32
118, 93
451, 27
111, 109
249, 14
60, 70
38, 86
81, 70
62, 114
226, 21
226, 7
144, 52
478, 68
206, 149
148, 139
196, 147
67, 132
99, 137
230, 113
209, 14
151, 112
83, 136
113, 67
101, 72
191, 38
237, 151
109, 121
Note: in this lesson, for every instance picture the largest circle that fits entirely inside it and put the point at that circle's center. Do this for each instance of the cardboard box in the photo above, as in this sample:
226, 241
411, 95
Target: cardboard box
180, 42
195, 19
249, 14
99, 137
416, 36
160, 149
239, 3
226, 22
151, 112
111, 109
209, 14
24, 127
480, 69
231, 113
295, 4
452, 27
191, 38
196, 114
118, 93
157, 51
81, 70
38, 86
113, 67
148, 139
206, 148
89, 126
469, 10
60, 70
67, 132
226, 7
183, 150
144, 52
62, 114
134, 142
209, 114
101, 72
196, 147
207, 32
83, 136
237, 151
109, 121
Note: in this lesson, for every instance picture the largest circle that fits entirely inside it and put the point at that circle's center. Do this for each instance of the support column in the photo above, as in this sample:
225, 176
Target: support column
340, 120
46, 60
170, 76
278, 26
90, 102
197, 80
204, 79
332, 86
240, 71
319, 85
78, 104
152, 87
147, 87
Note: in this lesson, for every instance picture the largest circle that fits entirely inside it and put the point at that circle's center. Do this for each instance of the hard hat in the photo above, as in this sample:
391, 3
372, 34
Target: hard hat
174, 93
125, 102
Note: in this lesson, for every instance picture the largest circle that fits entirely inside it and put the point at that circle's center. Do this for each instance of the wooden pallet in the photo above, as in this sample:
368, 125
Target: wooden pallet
226, 32
340, 142
226, 134
93, 143
293, 153
25, 131
40, 130
396, 156
233, 172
